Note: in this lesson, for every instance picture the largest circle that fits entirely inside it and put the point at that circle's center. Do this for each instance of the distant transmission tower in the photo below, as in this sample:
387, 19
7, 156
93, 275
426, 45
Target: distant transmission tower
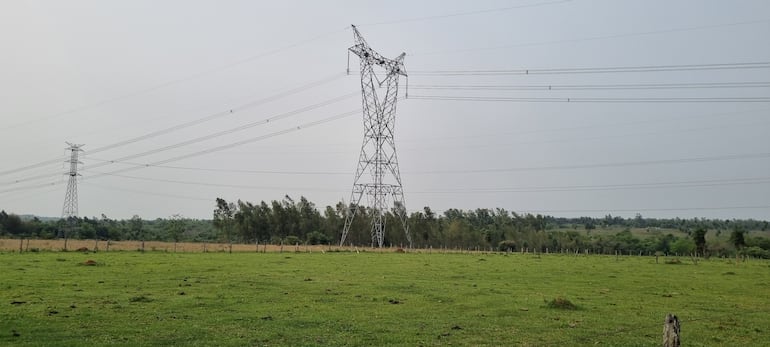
378, 151
70, 208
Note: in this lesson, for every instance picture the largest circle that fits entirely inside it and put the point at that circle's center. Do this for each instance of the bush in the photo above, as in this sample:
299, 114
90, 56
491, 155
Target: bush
291, 240
275, 240
317, 238
756, 252
683, 246
507, 245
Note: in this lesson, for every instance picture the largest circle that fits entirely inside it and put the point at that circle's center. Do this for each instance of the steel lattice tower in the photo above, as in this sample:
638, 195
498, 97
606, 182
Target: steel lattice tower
378, 151
70, 208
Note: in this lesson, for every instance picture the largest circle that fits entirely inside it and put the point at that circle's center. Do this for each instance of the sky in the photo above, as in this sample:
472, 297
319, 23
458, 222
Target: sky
180, 102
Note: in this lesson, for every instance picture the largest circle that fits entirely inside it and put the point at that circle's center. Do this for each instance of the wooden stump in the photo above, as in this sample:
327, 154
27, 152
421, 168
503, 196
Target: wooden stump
671, 331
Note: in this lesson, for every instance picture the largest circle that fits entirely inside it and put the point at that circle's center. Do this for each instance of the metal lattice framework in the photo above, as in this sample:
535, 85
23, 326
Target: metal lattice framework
378, 151
70, 208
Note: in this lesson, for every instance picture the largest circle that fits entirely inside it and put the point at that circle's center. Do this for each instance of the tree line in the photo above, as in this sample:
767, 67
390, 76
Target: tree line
289, 221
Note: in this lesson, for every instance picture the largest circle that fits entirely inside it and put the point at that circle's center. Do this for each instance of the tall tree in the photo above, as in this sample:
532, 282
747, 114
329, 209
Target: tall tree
699, 237
223, 220
176, 227
738, 240
137, 229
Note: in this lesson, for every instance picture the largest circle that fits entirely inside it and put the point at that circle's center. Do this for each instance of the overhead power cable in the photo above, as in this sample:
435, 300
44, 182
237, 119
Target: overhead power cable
536, 189
228, 112
201, 138
489, 170
228, 131
185, 168
592, 100
603, 165
207, 151
209, 184
184, 125
33, 166
608, 187
550, 87
595, 70
233, 130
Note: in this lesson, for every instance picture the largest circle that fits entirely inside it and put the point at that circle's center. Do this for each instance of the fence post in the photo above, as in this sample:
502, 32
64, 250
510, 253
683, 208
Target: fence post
671, 331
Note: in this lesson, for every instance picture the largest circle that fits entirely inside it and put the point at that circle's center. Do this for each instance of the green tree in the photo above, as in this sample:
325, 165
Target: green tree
737, 237
683, 246
699, 237
175, 228
317, 238
14, 225
137, 229
223, 220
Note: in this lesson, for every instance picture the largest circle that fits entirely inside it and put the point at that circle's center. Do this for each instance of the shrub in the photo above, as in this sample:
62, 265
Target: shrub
317, 238
506, 245
291, 240
757, 252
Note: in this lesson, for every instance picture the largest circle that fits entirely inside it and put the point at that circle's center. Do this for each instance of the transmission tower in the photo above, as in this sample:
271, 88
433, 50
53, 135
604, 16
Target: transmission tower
378, 151
70, 209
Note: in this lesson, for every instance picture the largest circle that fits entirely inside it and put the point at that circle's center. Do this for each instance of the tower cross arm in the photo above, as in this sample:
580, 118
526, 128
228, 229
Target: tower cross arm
370, 56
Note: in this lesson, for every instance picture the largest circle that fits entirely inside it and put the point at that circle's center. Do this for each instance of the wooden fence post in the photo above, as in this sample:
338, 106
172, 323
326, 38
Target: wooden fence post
671, 331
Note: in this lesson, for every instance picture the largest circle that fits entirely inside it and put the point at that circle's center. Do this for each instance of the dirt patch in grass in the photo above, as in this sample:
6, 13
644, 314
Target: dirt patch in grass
561, 303
140, 298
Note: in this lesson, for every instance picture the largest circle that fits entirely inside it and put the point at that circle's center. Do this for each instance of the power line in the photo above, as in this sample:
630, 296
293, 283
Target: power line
197, 139
609, 187
184, 125
550, 87
498, 146
228, 112
240, 143
604, 165
225, 132
596, 70
208, 151
489, 170
209, 184
536, 189
592, 100
236, 129
643, 68
31, 166
186, 168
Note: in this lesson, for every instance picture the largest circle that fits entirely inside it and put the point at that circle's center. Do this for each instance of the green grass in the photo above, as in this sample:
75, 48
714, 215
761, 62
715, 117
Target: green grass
375, 299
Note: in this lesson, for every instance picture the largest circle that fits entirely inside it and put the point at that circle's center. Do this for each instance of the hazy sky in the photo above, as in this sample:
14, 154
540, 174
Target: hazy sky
103, 72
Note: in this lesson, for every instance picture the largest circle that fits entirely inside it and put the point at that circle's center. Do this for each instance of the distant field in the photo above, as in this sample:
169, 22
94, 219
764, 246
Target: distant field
374, 299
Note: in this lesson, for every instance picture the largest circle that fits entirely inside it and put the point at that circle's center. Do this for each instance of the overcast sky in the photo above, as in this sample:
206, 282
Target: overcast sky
103, 72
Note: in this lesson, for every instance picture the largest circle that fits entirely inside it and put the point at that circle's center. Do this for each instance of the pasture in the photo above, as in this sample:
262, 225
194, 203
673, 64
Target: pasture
375, 299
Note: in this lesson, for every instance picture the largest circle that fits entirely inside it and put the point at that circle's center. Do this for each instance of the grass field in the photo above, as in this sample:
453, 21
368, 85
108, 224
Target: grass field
375, 299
